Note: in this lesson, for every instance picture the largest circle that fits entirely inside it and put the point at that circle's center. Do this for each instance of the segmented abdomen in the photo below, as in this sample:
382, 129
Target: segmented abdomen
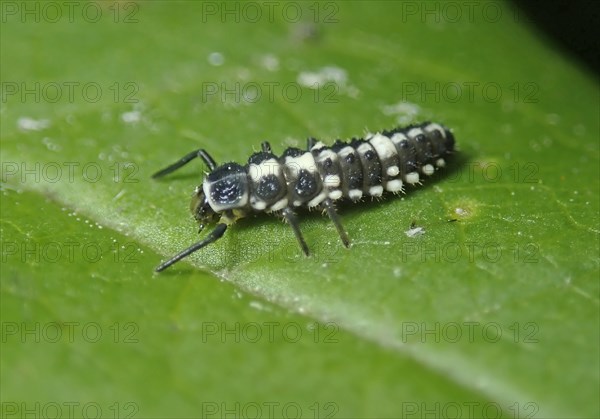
381, 162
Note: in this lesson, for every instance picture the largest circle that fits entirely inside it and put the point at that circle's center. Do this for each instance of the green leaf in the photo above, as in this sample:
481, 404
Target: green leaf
494, 309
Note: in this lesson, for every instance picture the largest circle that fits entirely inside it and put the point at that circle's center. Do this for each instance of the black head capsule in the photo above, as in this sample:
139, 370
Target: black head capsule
201, 209
315, 177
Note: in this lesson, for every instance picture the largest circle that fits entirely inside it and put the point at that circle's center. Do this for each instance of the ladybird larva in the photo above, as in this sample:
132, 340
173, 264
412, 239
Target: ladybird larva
314, 178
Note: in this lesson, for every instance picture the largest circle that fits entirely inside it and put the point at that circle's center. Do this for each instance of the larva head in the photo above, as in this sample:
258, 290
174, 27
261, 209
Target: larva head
224, 192
201, 209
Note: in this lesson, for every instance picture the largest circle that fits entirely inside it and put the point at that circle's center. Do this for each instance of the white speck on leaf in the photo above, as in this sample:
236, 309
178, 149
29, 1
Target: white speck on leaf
460, 211
132, 117
405, 111
216, 59
29, 124
270, 62
415, 232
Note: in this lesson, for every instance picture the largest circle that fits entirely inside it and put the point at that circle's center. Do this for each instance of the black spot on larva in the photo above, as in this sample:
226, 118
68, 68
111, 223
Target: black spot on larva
375, 178
293, 152
355, 181
338, 144
408, 156
306, 185
259, 157
226, 192
328, 163
269, 188
350, 158
370, 155
228, 184
356, 142
424, 146
436, 141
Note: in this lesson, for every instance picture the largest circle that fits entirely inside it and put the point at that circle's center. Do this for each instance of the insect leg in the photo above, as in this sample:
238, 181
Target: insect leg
266, 147
290, 217
335, 218
213, 236
203, 154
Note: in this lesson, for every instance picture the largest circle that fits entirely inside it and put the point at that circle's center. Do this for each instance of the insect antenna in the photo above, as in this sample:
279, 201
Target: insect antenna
185, 160
213, 236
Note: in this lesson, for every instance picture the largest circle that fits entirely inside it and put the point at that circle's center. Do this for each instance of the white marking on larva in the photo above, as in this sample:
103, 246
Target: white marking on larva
414, 232
345, 151
332, 181
383, 146
206, 189
337, 194
392, 171
258, 204
317, 199
363, 148
297, 203
433, 127
305, 161
394, 185
279, 205
355, 194
414, 132
412, 178
318, 145
376, 190
398, 137
327, 154
440, 163
428, 169
265, 168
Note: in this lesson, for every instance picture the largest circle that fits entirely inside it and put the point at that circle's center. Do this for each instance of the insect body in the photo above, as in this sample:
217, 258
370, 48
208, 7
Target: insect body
312, 178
